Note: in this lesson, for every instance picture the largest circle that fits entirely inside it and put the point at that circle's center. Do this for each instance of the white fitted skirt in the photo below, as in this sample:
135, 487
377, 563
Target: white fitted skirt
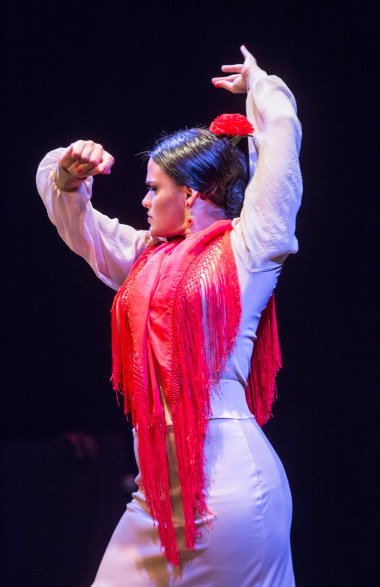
246, 544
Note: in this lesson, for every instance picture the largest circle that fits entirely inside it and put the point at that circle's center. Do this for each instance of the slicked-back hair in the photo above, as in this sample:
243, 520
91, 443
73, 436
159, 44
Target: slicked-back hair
197, 158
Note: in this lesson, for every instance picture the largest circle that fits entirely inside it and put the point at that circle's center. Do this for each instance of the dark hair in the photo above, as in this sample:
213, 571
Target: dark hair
200, 160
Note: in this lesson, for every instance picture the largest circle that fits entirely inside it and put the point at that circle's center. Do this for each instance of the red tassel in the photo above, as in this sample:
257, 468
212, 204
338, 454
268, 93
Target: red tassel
175, 321
266, 361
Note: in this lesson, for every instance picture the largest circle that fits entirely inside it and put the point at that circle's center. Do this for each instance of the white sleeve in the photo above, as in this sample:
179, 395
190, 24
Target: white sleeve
264, 233
109, 247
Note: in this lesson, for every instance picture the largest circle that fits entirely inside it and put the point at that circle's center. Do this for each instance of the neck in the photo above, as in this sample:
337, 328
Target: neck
204, 213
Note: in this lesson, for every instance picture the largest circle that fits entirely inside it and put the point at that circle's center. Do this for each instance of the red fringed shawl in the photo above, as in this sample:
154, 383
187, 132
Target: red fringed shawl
174, 324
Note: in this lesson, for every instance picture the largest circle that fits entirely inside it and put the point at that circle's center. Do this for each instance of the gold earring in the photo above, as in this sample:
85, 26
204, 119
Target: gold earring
189, 218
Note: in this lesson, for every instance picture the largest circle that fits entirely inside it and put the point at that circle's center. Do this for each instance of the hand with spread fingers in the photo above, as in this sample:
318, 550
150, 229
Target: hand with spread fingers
85, 158
237, 82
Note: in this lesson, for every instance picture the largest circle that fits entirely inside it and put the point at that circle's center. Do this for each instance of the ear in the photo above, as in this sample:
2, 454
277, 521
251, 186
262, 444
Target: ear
191, 196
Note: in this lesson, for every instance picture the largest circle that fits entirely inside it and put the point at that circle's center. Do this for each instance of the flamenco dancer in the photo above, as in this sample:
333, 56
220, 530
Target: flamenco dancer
194, 337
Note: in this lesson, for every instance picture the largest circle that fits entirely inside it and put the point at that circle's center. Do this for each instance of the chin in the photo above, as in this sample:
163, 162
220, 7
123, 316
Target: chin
165, 233
155, 232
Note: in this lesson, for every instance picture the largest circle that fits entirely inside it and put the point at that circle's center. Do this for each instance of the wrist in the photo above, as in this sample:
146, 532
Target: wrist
254, 75
65, 181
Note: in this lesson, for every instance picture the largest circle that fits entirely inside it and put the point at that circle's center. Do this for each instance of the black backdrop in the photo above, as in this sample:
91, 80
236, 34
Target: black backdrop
121, 73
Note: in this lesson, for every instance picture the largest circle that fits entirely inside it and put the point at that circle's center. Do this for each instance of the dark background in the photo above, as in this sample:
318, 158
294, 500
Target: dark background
121, 73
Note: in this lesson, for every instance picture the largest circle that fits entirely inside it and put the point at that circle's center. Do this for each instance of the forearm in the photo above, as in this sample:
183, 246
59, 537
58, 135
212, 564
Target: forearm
108, 246
274, 192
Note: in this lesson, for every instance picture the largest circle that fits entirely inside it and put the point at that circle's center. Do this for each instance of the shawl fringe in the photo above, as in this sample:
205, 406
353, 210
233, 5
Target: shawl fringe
174, 325
266, 361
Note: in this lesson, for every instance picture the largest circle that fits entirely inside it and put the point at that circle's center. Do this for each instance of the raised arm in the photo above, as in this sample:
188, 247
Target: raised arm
109, 247
274, 192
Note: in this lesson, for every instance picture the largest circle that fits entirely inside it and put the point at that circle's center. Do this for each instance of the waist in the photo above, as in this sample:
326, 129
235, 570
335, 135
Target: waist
228, 401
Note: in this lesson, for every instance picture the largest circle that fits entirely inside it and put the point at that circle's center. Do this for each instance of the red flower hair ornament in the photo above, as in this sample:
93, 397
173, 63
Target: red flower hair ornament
232, 127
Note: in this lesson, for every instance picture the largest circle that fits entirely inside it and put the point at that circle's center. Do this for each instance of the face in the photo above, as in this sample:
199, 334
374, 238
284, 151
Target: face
165, 202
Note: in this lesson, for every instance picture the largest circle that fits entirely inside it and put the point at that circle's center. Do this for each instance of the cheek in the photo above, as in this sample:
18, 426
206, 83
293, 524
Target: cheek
169, 209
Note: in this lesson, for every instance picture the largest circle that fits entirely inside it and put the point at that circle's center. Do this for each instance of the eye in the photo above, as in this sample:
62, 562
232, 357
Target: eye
151, 188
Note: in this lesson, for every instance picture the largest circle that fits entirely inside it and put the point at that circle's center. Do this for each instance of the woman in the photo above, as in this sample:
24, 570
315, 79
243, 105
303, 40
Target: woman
213, 505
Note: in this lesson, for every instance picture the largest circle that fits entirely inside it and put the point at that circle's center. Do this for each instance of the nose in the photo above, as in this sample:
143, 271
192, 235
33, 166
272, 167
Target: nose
146, 200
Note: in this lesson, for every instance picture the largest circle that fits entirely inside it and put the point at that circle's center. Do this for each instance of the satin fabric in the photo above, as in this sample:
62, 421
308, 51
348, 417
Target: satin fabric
245, 537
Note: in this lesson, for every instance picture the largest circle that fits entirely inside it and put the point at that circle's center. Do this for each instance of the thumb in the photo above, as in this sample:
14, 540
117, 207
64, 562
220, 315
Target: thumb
105, 165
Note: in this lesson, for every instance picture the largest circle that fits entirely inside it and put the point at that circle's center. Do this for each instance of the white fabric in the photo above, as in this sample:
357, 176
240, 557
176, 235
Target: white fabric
250, 507
248, 545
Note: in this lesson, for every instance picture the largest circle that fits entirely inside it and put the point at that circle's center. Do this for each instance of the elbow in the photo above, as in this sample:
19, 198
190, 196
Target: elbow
281, 254
279, 259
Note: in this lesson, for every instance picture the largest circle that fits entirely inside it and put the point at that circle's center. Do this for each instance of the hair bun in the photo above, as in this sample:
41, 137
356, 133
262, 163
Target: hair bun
234, 198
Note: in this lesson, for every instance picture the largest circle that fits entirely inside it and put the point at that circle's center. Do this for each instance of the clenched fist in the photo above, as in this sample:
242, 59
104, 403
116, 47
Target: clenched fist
84, 158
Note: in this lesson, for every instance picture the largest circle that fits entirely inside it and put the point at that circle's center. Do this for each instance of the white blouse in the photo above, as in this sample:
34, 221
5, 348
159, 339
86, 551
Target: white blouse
262, 237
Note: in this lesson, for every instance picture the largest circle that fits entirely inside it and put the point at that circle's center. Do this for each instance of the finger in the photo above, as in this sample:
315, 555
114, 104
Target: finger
92, 154
66, 159
103, 170
87, 151
97, 155
106, 164
234, 68
245, 52
226, 85
68, 151
77, 149
228, 78
100, 169
84, 169
67, 154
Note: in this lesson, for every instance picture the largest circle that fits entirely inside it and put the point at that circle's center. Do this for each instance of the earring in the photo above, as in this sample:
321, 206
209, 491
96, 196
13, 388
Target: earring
189, 218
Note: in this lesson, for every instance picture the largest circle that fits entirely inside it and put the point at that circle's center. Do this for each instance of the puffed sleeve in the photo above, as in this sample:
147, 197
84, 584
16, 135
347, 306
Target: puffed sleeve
267, 223
109, 247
